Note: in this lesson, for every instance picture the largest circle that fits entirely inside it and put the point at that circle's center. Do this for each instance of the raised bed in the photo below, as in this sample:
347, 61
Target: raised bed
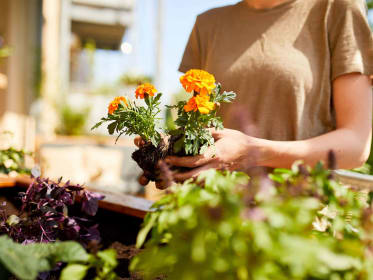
119, 219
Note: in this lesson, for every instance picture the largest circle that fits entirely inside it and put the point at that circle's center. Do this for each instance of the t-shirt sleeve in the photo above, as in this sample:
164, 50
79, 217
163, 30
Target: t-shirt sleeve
192, 54
350, 38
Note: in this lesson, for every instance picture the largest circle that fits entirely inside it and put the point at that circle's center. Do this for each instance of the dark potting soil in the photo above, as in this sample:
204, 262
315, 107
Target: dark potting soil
119, 232
148, 157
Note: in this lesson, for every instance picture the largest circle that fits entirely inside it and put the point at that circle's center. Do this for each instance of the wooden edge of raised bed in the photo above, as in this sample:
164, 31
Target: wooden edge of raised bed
361, 181
121, 203
138, 207
7, 182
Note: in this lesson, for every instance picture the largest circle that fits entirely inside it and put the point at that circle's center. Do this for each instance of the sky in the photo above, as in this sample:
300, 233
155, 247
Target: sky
178, 21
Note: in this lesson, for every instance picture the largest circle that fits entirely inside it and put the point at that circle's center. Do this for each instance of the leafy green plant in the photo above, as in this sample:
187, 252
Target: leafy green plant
13, 160
72, 122
27, 261
297, 224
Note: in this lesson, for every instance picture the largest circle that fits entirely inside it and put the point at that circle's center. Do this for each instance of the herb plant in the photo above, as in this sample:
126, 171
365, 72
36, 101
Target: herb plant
46, 214
294, 224
13, 160
26, 262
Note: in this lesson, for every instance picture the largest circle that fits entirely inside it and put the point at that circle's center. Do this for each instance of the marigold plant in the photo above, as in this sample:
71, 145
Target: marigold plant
127, 117
194, 119
199, 113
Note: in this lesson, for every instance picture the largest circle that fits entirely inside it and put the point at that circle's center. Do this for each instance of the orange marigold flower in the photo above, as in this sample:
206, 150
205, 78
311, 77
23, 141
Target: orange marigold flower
201, 103
199, 81
145, 89
113, 106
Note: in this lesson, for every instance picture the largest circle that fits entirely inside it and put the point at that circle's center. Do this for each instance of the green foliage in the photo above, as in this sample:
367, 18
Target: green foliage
194, 126
370, 4
132, 119
27, 261
104, 263
13, 160
72, 122
135, 80
300, 224
5, 52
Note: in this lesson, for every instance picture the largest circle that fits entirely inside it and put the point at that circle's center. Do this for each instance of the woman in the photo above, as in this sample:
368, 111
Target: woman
300, 69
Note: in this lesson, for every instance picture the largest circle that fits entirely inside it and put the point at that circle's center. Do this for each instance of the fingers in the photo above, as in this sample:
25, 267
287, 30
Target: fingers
139, 141
143, 180
181, 177
190, 161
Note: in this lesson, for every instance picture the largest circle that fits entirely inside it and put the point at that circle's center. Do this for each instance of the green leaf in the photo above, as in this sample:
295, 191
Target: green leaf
74, 271
70, 251
26, 261
109, 257
157, 98
227, 97
111, 127
143, 233
20, 262
97, 125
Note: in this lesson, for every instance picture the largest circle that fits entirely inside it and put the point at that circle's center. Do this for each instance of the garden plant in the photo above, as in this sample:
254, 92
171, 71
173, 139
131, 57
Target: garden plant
195, 118
13, 160
292, 224
53, 235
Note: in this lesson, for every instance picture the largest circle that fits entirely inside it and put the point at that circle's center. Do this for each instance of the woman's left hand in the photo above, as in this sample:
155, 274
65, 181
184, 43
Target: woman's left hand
233, 150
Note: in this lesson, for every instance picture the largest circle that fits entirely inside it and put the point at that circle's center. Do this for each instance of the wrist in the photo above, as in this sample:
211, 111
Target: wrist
260, 150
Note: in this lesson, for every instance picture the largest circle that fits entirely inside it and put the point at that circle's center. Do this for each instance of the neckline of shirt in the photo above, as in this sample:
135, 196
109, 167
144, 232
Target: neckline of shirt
266, 10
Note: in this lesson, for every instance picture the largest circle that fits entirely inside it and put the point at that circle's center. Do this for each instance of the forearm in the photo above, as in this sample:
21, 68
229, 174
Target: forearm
351, 150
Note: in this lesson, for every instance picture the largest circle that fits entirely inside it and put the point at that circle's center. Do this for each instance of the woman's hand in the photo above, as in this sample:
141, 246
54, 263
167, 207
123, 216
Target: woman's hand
233, 150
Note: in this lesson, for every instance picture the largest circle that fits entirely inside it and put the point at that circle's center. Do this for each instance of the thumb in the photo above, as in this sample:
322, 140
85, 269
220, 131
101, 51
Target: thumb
216, 133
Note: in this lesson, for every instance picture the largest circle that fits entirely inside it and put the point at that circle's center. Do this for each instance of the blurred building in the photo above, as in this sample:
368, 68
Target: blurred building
44, 35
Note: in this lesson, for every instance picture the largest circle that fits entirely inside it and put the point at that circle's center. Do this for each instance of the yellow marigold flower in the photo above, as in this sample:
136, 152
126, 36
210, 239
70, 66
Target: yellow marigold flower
145, 89
199, 81
201, 103
113, 106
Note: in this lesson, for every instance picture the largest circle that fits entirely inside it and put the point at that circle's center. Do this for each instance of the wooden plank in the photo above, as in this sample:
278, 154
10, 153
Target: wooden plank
122, 203
126, 204
7, 182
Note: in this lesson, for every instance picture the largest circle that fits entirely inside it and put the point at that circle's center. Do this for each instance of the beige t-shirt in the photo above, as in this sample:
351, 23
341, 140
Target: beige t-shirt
281, 62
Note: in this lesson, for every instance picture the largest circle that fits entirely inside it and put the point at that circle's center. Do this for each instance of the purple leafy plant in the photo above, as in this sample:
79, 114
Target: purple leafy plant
49, 213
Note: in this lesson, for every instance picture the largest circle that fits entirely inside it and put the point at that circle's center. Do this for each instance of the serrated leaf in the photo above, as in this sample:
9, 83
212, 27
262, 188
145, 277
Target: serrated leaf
97, 125
157, 97
111, 127
226, 97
